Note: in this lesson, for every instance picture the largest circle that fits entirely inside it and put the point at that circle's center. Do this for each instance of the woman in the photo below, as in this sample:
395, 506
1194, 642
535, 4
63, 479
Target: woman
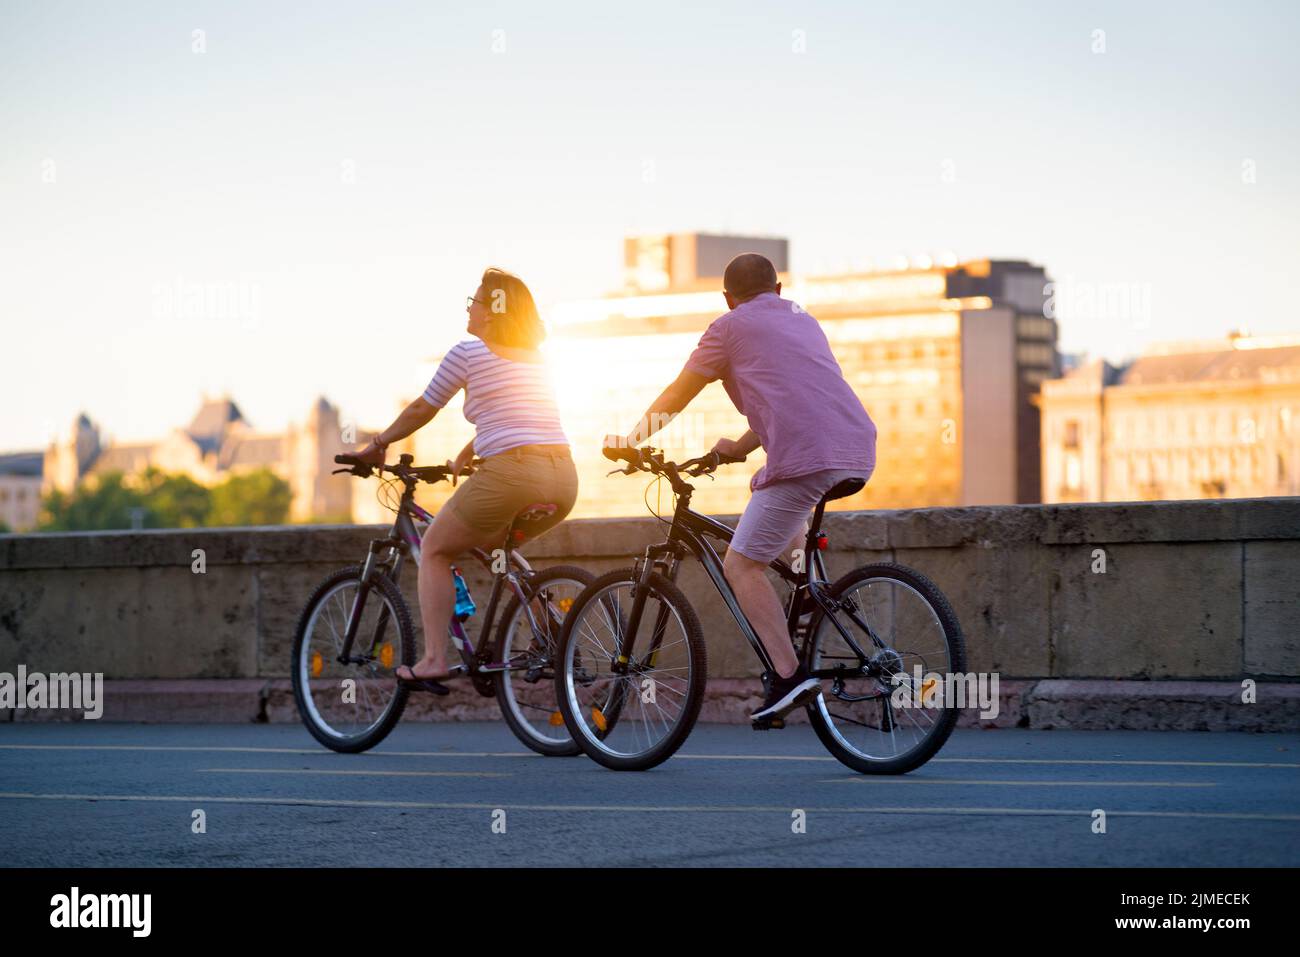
525, 453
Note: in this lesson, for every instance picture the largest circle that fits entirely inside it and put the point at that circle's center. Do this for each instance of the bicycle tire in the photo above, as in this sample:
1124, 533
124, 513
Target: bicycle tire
670, 595
499, 647
943, 610
406, 631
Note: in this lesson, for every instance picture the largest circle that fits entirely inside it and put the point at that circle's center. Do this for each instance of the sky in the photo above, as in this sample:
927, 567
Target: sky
295, 200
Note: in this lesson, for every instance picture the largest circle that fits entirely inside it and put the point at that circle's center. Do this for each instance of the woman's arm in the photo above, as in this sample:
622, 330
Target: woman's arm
411, 419
463, 458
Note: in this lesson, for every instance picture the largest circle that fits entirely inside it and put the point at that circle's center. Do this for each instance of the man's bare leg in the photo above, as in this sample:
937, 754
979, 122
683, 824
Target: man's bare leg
759, 601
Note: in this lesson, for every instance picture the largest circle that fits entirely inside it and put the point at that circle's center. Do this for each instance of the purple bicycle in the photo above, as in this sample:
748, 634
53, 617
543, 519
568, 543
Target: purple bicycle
356, 629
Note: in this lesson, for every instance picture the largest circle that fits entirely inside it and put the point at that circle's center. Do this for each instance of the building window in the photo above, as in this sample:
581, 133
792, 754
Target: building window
1033, 327
1072, 434
1073, 473
1034, 355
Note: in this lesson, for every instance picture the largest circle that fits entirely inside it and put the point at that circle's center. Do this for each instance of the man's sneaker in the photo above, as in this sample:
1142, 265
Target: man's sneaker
786, 694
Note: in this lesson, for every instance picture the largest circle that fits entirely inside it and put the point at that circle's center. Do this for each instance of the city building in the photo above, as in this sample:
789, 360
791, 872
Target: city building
218, 442
20, 490
947, 358
1184, 420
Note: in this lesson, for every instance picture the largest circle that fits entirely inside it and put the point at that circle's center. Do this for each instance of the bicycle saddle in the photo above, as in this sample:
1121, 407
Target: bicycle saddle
529, 514
535, 513
844, 489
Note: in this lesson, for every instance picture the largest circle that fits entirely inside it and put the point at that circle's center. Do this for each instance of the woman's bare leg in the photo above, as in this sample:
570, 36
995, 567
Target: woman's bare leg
446, 539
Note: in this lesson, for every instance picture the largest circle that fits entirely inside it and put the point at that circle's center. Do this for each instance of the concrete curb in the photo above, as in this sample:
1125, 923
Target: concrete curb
1100, 705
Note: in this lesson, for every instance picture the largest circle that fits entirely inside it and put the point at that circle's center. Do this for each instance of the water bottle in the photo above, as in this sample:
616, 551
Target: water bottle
464, 601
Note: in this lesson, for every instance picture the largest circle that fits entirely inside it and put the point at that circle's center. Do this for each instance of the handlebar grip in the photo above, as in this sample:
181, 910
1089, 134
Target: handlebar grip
622, 454
348, 460
728, 459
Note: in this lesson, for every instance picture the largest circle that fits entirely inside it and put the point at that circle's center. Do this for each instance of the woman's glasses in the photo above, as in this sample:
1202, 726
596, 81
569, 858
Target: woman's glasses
470, 300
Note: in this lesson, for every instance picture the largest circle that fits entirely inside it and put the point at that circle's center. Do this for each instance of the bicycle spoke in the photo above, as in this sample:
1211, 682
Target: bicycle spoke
890, 613
629, 713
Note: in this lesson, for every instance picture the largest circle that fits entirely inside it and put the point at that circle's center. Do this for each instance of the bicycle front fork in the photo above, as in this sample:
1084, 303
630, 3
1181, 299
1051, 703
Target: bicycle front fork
643, 570
358, 605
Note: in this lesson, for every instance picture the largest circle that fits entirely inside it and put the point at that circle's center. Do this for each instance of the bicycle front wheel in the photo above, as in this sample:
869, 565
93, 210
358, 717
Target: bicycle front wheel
525, 687
352, 706
901, 621
631, 715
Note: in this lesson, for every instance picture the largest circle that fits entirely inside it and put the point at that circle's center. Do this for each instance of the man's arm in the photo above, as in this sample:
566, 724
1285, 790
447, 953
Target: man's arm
662, 411
738, 448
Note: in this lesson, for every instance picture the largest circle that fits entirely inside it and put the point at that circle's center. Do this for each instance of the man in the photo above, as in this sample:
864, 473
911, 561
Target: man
777, 367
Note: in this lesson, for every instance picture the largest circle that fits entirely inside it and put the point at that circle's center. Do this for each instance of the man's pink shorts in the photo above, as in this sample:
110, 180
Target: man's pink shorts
778, 512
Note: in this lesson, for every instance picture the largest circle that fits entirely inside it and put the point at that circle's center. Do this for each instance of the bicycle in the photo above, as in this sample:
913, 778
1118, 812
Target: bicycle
345, 653
630, 696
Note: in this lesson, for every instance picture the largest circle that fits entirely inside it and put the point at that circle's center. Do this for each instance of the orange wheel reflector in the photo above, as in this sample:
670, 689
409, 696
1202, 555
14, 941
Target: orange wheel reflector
564, 604
557, 719
317, 664
927, 690
386, 655
599, 718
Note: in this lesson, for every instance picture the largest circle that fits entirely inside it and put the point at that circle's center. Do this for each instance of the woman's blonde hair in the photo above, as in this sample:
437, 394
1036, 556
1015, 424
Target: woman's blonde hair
515, 321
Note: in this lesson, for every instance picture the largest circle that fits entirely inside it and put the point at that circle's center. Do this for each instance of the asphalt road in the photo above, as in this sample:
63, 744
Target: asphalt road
124, 795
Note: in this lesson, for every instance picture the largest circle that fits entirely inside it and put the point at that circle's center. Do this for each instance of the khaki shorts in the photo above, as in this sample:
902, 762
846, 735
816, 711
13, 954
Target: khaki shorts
507, 483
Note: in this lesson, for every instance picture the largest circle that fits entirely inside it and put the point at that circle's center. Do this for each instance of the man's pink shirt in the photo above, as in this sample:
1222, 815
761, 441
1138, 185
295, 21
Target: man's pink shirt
775, 363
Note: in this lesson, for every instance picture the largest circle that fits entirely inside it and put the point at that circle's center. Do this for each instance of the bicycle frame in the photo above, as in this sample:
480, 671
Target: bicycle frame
403, 540
691, 531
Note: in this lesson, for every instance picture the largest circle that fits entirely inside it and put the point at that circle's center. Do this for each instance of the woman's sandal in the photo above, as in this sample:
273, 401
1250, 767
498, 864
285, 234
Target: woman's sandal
416, 683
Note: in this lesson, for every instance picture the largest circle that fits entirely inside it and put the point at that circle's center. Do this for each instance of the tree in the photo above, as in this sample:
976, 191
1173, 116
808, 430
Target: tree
252, 498
105, 502
174, 501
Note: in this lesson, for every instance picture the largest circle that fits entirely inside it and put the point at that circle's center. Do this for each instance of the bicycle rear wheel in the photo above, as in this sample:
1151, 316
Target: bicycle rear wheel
633, 716
526, 689
858, 719
352, 707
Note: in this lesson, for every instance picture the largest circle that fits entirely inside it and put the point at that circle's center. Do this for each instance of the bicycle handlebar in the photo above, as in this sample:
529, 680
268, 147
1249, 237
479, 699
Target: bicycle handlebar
650, 460
403, 470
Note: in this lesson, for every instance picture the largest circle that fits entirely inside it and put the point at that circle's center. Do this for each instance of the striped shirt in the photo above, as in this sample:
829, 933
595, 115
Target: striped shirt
510, 403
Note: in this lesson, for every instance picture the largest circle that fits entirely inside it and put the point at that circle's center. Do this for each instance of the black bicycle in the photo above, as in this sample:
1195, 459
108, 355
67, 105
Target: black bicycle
356, 629
630, 694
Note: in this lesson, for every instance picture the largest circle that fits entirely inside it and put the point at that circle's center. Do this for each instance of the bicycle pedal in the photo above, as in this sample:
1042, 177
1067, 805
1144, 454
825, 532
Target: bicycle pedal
768, 724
